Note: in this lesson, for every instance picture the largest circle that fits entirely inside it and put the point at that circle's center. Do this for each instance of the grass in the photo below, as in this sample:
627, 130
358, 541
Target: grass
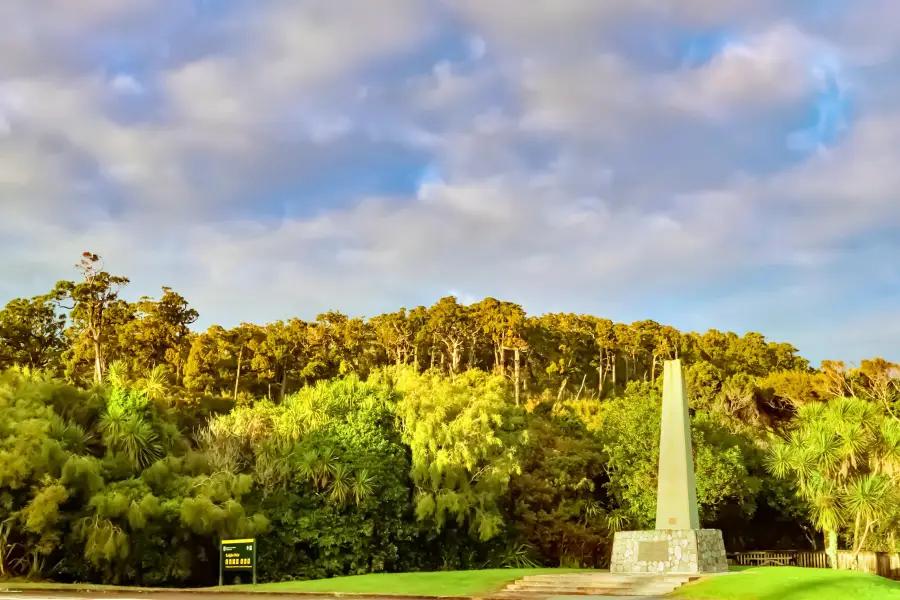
441, 583
792, 583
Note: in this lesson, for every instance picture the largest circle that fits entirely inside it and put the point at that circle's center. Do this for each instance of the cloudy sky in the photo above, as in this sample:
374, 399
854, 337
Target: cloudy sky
705, 163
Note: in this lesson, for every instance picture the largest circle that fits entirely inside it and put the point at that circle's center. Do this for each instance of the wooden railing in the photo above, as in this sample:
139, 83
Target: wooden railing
879, 563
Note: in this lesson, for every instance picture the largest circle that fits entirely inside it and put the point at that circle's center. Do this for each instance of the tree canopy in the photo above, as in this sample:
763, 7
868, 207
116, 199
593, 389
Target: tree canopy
449, 436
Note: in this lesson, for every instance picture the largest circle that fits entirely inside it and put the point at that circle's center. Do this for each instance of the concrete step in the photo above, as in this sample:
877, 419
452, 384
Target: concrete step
602, 593
598, 591
590, 582
539, 587
532, 585
544, 580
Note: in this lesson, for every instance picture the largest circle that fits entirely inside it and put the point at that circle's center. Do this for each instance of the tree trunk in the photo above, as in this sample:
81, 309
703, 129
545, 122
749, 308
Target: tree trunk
653, 370
98, 360
237, 378
601, 374
284, 375
581, 389
860, 543
501, 365
831, 539
562, 387
517, 376
614, 370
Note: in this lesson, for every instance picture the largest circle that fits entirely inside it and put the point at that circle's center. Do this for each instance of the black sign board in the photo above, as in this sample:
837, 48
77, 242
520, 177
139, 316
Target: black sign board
237, 556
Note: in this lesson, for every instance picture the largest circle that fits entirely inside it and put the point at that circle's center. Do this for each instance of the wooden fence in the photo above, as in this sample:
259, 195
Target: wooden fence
879, 563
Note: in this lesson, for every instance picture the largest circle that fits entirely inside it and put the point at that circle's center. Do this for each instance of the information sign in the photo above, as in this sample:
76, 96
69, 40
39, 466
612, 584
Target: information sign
237, 556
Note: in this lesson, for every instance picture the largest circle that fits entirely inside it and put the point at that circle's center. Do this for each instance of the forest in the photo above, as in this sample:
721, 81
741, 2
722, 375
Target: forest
444, 437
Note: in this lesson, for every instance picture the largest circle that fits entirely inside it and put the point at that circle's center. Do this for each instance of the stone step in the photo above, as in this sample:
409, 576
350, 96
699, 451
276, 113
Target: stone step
656, 590
563, 579
591, 585
540, 587
599, 592
531, 585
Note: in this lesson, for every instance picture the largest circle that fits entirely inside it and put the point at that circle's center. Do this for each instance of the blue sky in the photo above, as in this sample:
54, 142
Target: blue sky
728, 165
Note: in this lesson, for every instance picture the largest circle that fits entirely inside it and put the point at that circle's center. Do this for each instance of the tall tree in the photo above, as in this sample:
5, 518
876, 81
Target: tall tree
89, 300
394, 334
452, 326
160, 332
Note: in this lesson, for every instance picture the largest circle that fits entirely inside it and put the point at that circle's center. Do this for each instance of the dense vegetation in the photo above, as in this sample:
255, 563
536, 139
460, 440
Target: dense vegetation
436, 438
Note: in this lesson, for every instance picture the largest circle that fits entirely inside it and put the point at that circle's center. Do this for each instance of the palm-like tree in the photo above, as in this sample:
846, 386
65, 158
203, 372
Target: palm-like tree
844, 457
131, 434
155, 384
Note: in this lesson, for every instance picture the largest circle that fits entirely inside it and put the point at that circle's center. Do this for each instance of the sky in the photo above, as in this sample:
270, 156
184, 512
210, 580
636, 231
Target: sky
706, 164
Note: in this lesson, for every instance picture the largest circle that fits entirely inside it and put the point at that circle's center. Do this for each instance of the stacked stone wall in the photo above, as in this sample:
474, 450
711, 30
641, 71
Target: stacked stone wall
669, 551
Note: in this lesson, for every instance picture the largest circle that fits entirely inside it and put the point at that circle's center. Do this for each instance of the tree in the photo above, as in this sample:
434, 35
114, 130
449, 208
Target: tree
794, 389
504, 323
844, 458
465, 436
629, 429
564, 342
559, 502
452, 326
282, 350
89, 300
31, 333
882, 384
160, 333
394, 333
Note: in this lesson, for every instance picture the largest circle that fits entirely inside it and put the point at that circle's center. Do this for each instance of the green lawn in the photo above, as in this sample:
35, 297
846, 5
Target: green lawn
441, 583
792, 583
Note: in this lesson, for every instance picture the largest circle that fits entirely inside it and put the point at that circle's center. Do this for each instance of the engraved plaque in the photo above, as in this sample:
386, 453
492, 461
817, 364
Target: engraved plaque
653, 551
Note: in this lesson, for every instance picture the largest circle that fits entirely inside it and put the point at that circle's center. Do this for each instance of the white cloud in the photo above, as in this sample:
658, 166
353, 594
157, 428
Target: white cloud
126, 84
566, 178
563, 22
294, 46
775, 66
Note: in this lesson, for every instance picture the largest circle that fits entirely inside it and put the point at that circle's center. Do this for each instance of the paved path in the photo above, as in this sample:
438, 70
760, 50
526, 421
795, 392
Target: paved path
75, 595
145, 595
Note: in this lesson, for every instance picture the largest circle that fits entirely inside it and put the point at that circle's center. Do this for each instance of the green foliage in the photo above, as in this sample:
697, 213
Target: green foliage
31, 334
559, 503
465, 436
629, 429
844, 458
440, 437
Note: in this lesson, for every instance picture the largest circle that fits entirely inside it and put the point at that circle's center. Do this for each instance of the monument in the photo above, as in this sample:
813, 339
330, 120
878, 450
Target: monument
677, 545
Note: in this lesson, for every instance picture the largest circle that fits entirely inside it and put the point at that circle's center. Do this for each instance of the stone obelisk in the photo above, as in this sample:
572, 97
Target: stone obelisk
677, 545
676, 495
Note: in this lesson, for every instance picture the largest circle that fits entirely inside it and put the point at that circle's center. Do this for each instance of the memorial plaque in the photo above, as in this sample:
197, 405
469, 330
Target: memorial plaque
653, 551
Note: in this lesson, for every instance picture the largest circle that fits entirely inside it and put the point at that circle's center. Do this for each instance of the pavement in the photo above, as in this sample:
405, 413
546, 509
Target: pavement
229, 595
146, 595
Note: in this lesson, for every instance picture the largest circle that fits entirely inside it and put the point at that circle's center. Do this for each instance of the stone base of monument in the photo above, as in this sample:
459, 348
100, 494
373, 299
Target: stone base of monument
669, 551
